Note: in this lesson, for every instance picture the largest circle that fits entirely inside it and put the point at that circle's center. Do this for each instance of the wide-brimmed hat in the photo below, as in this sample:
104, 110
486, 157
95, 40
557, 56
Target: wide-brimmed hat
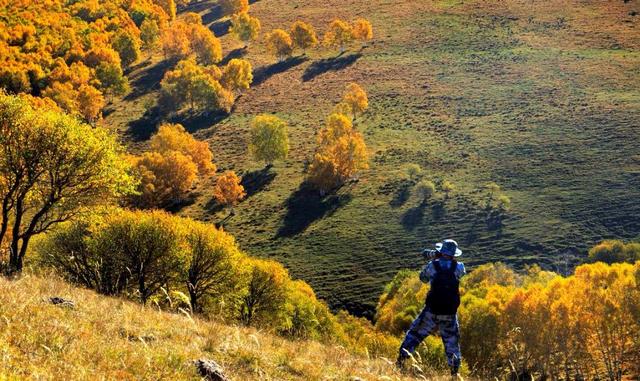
448, 247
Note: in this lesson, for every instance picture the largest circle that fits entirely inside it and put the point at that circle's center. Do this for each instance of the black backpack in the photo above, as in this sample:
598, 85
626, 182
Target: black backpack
444, 296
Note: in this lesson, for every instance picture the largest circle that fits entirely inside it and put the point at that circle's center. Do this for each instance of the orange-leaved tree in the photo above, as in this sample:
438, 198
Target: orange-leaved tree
279, 44
173, 137
164, 178
362, 30
228, 191
341, 154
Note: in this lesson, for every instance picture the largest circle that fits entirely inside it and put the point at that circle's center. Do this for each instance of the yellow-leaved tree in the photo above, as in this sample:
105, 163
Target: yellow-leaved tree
205, 44
279, 44
356, 98
237, 75
232, 7
213, 265
269, 138
341, 154
197, 86
244, 27
264, 300
52, 167
303, 35
339, 34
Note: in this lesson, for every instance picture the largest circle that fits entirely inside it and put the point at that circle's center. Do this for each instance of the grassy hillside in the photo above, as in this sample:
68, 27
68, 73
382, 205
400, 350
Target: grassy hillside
111, 339
540, 97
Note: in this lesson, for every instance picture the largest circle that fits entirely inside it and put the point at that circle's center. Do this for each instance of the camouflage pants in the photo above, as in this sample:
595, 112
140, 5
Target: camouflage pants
425, 324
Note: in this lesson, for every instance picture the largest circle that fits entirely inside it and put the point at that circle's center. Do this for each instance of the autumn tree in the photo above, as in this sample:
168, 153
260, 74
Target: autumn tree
265, 296
615, 251
149, 33
147, 244
112, 79
237, 75
196, 86
174, 164
244, 27
339, 34
232, 7
496, 204
341, 154
127, 46
70, 251
164, 178
269, 138
64, 95
279, 44
303, 35
90, 102
168, 6
425, 190
356, 98
212, 262
192, 18
205, 45
447, 187
52, 167
228, 191
173, 137
343, 108
414, 171
175, 41
362, 30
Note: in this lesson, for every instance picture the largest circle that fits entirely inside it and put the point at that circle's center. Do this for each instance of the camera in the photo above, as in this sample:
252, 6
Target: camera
429, 254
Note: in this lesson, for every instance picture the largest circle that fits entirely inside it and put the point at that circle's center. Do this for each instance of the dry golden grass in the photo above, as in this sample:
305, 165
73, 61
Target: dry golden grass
106, 338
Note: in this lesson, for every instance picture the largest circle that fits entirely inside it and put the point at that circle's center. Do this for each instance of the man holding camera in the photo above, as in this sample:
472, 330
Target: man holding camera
443, 273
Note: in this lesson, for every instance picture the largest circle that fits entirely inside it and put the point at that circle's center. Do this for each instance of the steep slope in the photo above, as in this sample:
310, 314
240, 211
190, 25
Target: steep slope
111, 339
541, 98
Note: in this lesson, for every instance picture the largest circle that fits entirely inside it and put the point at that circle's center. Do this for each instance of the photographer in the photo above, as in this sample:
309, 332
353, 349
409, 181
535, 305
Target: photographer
443, 273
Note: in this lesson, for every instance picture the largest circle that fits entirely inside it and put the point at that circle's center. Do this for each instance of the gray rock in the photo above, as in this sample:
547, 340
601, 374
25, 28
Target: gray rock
58, 301
210, 370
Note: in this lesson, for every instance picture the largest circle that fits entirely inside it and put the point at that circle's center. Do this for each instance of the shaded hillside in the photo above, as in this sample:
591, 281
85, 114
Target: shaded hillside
541, 98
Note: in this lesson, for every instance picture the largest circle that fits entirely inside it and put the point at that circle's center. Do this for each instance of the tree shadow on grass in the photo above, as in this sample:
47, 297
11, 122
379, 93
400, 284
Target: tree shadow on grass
220, 27
329, 64
147, 80
305, 205
215, 13
402, 194
177, 206
143, 128
255, 181
235, 53
413, 217
193, 122
263, 73
198, 7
